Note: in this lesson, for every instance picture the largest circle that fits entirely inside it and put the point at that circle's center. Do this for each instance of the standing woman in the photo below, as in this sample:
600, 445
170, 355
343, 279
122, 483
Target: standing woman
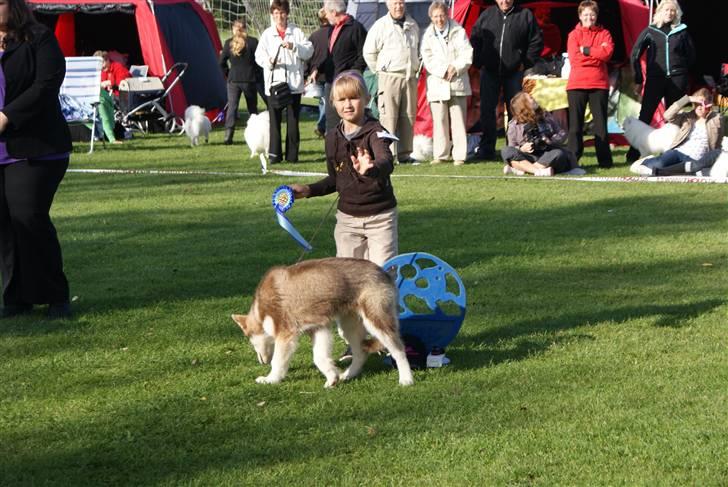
670, 53
237, 61
281, 53
590, 47
447, 55
34, 148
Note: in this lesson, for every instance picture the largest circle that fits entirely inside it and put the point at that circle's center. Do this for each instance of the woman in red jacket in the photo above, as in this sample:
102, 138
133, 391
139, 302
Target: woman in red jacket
590, 47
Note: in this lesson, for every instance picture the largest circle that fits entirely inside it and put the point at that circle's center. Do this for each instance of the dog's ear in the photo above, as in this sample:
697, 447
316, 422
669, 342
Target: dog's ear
241, 321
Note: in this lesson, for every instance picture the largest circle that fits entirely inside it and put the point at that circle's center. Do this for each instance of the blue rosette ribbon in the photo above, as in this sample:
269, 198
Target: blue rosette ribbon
282, 202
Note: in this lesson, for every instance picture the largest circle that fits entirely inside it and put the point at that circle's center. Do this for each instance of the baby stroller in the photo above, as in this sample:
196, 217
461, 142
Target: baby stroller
142, 102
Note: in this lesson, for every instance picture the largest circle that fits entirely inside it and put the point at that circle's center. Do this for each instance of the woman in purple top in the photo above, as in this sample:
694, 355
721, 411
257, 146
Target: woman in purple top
34, 147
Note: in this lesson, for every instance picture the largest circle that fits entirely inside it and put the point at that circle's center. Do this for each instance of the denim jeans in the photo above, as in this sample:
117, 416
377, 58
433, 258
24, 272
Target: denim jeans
668, 158
321, 122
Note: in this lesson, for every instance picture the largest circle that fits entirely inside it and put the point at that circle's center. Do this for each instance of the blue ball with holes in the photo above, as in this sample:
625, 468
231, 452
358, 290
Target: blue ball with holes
431, 298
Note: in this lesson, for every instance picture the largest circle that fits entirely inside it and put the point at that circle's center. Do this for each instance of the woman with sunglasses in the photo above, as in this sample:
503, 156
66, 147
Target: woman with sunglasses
701, 131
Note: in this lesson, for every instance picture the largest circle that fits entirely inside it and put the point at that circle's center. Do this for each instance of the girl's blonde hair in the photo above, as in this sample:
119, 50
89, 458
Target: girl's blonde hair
237, 44
349, 84
657, 16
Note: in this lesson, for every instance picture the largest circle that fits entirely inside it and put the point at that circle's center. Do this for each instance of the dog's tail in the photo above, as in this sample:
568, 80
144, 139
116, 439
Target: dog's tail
372, 345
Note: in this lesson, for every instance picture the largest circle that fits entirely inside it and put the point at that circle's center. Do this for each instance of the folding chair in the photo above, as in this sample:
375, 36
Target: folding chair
82, 88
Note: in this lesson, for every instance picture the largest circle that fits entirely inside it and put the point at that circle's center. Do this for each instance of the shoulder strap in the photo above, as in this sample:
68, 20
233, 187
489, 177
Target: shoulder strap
275, 62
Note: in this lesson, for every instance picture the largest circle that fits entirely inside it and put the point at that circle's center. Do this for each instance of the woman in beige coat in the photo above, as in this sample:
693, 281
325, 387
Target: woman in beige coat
447, 55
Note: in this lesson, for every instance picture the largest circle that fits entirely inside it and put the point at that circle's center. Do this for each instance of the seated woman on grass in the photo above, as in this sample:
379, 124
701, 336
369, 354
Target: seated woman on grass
695, 145
534, 141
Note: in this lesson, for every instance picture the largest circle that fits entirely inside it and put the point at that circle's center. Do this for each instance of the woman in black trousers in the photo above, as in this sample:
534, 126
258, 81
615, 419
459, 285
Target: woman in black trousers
34, 149
242, 75
670, 53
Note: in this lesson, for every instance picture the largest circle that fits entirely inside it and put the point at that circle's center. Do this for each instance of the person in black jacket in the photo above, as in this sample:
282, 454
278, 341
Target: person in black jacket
237, 61
506, 40
346, 41
34, 149
320, 41
670, 53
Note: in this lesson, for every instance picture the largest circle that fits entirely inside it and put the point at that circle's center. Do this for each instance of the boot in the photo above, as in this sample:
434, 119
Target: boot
228, 136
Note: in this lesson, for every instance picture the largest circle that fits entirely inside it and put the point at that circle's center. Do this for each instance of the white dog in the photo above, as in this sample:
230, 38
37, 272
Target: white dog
196, 125
720, 167
257, 133
422, 148
647, 139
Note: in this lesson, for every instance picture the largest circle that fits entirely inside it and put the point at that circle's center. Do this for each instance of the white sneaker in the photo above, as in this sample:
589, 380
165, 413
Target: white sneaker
544, 171
512, 171
641, 170
638, 168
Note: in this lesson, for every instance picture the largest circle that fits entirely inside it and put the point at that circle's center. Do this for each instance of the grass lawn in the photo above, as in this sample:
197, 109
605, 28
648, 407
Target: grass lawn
594, 351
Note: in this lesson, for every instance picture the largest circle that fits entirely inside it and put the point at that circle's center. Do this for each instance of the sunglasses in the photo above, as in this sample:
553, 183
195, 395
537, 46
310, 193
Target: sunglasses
704, 105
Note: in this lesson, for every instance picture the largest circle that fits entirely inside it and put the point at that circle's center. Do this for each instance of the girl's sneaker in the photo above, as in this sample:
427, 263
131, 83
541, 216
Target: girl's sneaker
544, 171
512, 171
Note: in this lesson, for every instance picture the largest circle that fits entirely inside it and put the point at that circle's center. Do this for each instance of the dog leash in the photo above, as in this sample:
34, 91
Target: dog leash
318, 228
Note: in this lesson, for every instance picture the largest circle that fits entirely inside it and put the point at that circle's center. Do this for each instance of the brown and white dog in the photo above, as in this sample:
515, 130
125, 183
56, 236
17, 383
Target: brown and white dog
307, 297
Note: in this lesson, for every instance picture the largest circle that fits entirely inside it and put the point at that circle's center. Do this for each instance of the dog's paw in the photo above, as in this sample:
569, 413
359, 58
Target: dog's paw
407, 382
347, 374
331, 381
266, 379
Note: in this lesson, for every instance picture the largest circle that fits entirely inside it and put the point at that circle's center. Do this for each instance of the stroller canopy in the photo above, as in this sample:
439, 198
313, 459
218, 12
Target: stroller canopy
155, 33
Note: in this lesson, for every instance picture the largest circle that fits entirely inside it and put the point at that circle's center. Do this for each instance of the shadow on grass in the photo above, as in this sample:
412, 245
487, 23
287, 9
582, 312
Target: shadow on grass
152, 250
531, 337
152, 443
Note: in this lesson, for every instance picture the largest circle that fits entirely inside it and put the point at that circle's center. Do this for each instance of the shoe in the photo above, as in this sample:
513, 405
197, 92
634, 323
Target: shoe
632, 155
59, 311
485, 155
459, 163
638, 168
577, 171
512, 171
643, 170
436, 161
408, 160
544, 172
228, 136
346, 356
10, 310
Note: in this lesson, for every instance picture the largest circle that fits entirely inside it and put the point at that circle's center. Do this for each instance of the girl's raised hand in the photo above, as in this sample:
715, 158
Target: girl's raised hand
362, 162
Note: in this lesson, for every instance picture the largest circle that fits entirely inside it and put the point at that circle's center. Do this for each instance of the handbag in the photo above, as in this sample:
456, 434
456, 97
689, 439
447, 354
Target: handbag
280, 93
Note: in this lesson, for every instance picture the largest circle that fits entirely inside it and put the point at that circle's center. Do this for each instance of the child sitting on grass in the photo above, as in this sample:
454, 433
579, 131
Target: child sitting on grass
358, 162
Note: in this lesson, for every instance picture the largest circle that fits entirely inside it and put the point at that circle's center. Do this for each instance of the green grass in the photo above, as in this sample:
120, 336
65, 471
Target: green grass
593, 351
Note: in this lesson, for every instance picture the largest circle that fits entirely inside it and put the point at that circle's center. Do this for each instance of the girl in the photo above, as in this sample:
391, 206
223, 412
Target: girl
359, 162
534, 141
701, 132
237, 62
